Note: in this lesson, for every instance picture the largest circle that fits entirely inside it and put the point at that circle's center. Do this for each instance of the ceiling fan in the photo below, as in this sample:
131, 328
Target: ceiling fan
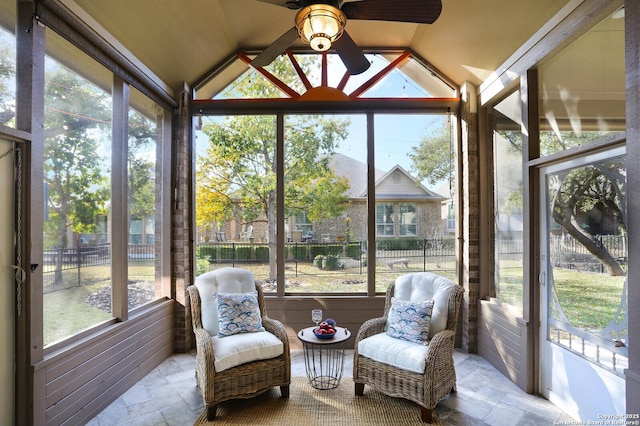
321, 25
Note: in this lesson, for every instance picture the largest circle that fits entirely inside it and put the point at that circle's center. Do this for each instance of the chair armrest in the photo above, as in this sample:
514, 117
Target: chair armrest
276, 328
441, 345
371, 327
205, 356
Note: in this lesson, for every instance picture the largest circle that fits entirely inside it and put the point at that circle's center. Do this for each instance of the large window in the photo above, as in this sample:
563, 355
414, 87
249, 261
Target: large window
77, 165
508, 190
582, 104
145, 201
88, 242
404, 215
414, 159
327, 181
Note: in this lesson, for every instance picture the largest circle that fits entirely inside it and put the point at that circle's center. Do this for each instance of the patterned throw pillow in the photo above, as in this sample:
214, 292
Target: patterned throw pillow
410, 320
238, 313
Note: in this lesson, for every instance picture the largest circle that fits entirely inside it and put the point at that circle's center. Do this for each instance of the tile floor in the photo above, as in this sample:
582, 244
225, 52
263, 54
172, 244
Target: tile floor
169, 396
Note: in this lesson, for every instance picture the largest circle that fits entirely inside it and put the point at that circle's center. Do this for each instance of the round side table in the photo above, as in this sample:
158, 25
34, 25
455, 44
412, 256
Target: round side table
324, 358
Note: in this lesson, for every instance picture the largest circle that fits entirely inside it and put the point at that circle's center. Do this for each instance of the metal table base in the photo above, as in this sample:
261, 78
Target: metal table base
324, 358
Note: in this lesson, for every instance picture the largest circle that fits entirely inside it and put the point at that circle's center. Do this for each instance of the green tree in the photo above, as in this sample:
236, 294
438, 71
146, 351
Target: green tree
595, 188
77, 115
433, 158
141, 167
236, 177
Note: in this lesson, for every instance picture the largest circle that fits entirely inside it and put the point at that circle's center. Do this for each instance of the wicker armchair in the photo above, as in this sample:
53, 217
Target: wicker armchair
242, 365
422, 373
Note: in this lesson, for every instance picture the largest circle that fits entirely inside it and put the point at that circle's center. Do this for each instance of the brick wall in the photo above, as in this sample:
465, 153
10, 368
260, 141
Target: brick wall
470, 221
180, 234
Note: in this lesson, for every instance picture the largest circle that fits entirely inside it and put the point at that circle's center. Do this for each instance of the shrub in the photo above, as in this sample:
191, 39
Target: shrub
262, 253
207, 252
226, 253
202, 266
243, 253
298, 252
330, 263
354, 250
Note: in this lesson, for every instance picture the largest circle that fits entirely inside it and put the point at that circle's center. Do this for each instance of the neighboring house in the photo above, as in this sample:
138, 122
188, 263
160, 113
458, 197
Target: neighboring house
404, 209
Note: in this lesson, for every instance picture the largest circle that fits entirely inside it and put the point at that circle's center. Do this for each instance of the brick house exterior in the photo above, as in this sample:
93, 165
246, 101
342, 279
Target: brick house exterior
395, 187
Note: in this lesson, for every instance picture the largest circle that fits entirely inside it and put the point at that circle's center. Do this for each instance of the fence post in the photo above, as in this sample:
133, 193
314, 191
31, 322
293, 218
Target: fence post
79, 262
424, 255
233, 254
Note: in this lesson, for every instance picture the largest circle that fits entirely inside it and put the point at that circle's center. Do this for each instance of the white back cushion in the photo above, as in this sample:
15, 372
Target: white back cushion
223, 280
422, 286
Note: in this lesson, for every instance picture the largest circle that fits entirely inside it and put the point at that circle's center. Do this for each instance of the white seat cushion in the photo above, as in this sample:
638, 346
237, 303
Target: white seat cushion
396, 352
231, 351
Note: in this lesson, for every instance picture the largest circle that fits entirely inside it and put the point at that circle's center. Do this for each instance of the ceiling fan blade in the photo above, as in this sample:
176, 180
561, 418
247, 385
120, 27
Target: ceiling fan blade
351, 55
289, 4
276, 49
416, 11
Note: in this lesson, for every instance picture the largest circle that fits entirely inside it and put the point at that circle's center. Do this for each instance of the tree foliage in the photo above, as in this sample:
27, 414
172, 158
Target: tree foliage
141, 166
433, 158
585, 192
236, 176
583, 197
76, 116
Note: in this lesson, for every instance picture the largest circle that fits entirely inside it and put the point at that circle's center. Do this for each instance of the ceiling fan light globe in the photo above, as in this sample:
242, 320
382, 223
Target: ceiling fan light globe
319, 25
320, 43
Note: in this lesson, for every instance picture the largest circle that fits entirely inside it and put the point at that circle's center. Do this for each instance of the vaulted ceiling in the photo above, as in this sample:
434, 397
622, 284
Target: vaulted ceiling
179, 41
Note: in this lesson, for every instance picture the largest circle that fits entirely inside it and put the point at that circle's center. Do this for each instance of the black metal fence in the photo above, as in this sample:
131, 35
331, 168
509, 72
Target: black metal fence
568, 253
424, 254
72, 267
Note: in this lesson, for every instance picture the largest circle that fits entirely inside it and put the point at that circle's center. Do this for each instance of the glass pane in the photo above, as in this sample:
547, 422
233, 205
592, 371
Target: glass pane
412, 78
7, 76
385, 220
325, 176
582, 89
77, 164
145, 180
236, 195
508, 189
588, 257
414, 174
408, 220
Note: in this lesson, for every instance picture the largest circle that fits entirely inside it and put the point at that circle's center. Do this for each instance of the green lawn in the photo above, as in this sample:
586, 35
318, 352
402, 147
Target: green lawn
67, 312
589, 299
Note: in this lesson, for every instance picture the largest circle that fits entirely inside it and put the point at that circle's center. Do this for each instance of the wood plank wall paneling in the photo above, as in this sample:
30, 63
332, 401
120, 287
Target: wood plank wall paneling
83, 381
502, 341
350, 312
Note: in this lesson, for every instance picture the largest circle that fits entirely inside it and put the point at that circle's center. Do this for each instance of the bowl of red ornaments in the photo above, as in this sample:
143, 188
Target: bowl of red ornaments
326, 329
